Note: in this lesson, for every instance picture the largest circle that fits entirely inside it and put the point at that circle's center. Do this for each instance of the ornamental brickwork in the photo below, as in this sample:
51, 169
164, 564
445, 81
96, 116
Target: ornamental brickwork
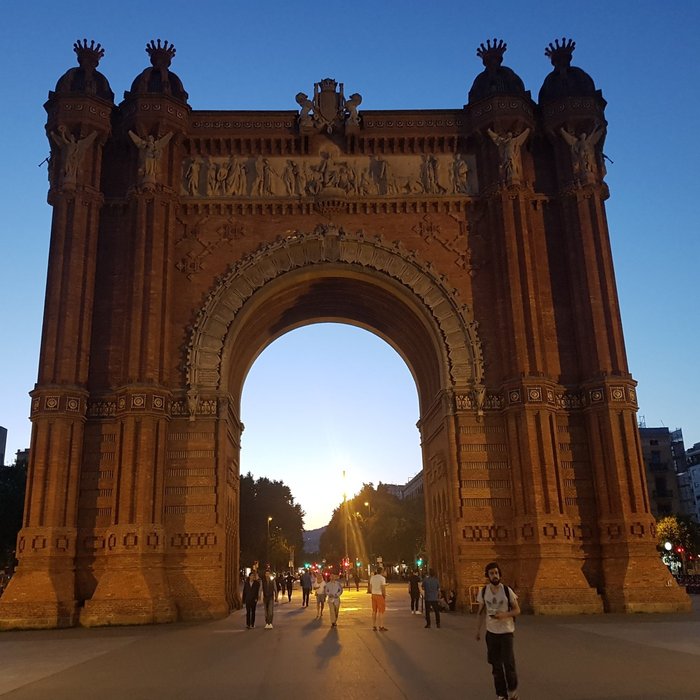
474, 240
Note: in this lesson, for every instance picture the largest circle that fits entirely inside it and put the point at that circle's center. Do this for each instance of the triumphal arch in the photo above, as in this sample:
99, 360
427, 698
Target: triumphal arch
473, 240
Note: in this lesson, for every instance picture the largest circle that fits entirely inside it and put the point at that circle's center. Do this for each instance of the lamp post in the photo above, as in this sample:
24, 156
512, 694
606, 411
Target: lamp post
345, 517
368, 505
267, 543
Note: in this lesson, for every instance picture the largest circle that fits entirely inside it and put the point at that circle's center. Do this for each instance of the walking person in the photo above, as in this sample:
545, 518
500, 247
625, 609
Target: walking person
334, 589
431, 596
414, 592
356, 578
319, 589
498, 605
280, 585
289, 582
377, 587
305, 588
251, 594
269, 591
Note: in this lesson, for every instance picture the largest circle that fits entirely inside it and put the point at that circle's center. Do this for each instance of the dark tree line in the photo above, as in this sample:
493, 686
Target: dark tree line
262, 499
388, 527
12, 486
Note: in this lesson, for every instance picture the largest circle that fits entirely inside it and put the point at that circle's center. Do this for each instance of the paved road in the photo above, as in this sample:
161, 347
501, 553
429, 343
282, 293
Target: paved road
607, 657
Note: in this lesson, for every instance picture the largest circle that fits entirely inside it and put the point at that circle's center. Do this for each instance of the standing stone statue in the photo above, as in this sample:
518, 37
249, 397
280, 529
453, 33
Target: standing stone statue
583, 153
460, 175
192, 176
511, 164
72, 151
150, 151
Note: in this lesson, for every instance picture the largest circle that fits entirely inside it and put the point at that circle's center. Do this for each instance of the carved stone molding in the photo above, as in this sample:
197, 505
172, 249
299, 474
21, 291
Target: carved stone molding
327, 244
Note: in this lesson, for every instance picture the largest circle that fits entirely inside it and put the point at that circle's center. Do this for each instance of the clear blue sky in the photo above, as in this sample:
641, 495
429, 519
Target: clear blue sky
235, 55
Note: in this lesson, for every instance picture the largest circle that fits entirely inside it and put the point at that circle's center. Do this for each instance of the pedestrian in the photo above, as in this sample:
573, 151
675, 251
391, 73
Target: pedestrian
319, 589
377, 587
334, 589
414, 592
305, 588
280, 585
498, 605
431, 596
269, 589
251, 594
289, 582
356, 578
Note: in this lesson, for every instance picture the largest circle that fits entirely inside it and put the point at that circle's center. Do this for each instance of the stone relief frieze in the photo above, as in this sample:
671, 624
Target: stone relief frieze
308, 176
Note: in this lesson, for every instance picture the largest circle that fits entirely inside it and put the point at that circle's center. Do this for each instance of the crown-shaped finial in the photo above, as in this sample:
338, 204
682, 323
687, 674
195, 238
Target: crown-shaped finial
161, 56
89, 55
492, 54
328, 84
560, 54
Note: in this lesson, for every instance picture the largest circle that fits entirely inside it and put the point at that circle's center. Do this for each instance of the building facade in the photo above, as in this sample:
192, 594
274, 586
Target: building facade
662, 451
473, 240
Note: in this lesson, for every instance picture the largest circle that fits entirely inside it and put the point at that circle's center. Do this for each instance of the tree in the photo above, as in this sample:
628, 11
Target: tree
684, 535
680, 531
12, 487
262, 499
389, 527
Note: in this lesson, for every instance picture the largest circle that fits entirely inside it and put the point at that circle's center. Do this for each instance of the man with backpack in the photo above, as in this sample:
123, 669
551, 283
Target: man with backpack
498, 605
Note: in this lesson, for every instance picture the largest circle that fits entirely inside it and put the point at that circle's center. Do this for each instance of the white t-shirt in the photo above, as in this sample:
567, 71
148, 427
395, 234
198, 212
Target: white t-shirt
375, 584
495, 602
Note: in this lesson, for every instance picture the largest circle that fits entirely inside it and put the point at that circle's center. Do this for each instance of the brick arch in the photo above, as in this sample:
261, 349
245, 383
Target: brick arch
460, 348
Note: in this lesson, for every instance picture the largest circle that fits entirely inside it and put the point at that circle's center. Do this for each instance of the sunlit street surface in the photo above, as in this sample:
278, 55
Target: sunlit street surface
641, 657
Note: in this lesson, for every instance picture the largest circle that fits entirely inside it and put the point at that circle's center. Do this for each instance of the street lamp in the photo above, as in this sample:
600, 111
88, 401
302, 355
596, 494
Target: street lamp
345, 516
267, 547
368, 505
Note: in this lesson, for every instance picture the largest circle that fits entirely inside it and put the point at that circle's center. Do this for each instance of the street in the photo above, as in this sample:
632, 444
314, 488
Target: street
640, 657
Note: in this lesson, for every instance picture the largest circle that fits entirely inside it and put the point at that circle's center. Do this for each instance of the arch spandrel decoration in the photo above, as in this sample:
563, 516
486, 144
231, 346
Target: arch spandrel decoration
329, 244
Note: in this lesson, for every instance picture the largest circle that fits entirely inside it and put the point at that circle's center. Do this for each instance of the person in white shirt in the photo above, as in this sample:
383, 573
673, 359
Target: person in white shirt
334, 589
377, 587
498, 605
319, 589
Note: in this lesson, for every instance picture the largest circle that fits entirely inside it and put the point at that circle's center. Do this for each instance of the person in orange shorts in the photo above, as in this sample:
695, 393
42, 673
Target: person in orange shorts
377, 587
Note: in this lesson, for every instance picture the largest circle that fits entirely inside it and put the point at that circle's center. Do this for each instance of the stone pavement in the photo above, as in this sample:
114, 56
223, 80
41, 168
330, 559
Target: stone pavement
639, 657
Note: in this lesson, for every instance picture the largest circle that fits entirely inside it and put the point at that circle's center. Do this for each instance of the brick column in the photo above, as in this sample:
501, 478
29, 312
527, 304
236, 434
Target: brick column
42, 591
548, 572
132, 587
632, 576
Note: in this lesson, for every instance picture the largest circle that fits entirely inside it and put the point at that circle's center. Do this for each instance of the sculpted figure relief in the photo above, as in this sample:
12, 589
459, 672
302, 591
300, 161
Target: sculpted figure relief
460, 175
192, 176
308, 176
72, 152
150, 151
511, 164
583, 152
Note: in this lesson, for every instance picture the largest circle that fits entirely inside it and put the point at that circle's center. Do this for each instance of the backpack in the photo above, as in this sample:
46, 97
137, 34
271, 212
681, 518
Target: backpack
505, 588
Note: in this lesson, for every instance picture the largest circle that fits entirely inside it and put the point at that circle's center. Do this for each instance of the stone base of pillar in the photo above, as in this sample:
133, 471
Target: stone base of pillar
555, 585
641, 583
39, 599
129, 597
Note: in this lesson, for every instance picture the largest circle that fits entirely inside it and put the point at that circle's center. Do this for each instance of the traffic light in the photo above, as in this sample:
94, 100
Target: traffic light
358, 563
419, 561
